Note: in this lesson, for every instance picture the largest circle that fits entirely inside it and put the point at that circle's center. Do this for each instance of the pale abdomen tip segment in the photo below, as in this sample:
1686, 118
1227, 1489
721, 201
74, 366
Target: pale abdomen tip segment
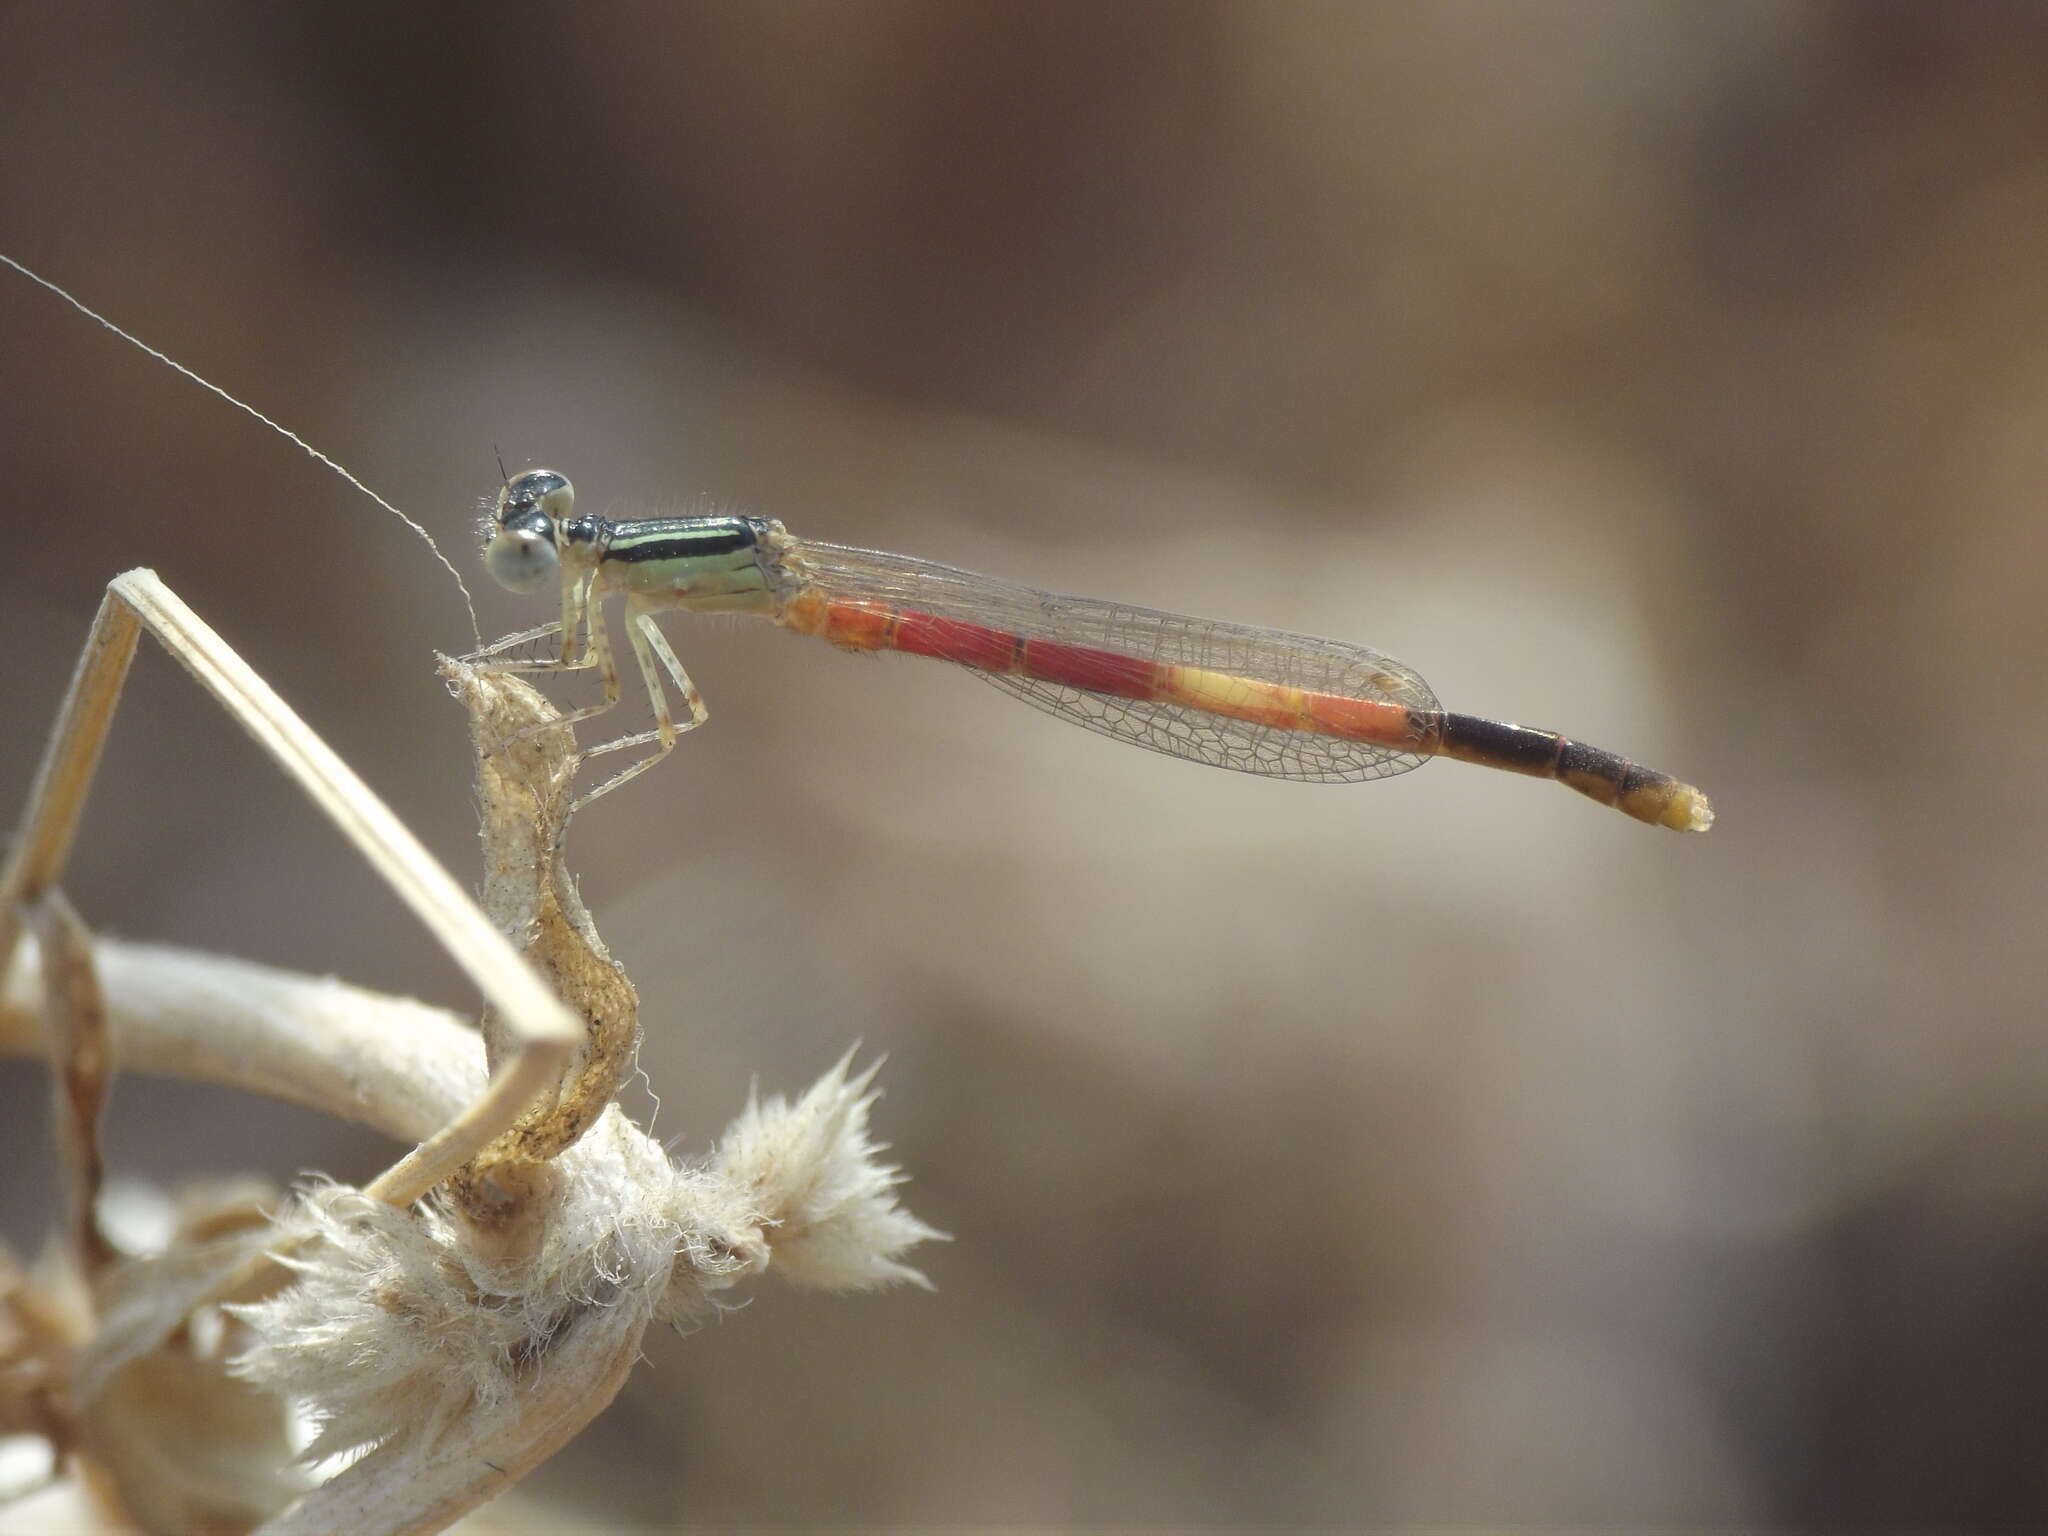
1689, 811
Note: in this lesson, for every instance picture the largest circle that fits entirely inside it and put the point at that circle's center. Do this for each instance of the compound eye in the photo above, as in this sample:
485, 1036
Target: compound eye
537, 490
522, 560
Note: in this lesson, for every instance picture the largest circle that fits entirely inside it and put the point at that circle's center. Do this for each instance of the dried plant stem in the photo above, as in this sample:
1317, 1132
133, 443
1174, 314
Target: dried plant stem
546, 1031
399, 1066
526, 768
81, 1070
454, 1342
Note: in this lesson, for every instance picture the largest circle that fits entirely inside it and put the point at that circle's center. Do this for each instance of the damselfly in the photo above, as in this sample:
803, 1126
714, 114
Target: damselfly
1257, 700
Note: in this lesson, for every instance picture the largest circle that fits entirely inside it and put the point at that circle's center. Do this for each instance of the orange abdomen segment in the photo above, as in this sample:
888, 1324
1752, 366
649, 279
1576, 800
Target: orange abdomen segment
862, 625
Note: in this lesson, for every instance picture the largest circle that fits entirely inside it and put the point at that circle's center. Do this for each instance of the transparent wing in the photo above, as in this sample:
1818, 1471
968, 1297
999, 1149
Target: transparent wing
1145, 636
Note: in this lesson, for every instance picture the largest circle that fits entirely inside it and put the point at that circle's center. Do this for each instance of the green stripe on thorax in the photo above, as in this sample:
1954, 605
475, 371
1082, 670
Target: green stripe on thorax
699, 563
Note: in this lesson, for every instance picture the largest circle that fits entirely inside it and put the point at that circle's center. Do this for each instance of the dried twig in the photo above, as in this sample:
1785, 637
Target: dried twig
456, 1342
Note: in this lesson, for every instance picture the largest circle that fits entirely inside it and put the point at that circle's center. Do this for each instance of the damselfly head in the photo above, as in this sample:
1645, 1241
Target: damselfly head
521, 555
531, 491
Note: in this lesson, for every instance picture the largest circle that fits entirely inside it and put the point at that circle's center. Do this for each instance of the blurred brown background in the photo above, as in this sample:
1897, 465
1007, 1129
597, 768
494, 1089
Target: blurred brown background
1449, 1151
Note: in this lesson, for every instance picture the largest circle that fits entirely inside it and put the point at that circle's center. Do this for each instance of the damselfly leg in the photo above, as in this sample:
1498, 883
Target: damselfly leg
583, 620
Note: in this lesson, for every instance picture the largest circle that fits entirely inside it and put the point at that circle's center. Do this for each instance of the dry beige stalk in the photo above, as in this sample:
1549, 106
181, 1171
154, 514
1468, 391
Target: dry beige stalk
453, 1341
526, 766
